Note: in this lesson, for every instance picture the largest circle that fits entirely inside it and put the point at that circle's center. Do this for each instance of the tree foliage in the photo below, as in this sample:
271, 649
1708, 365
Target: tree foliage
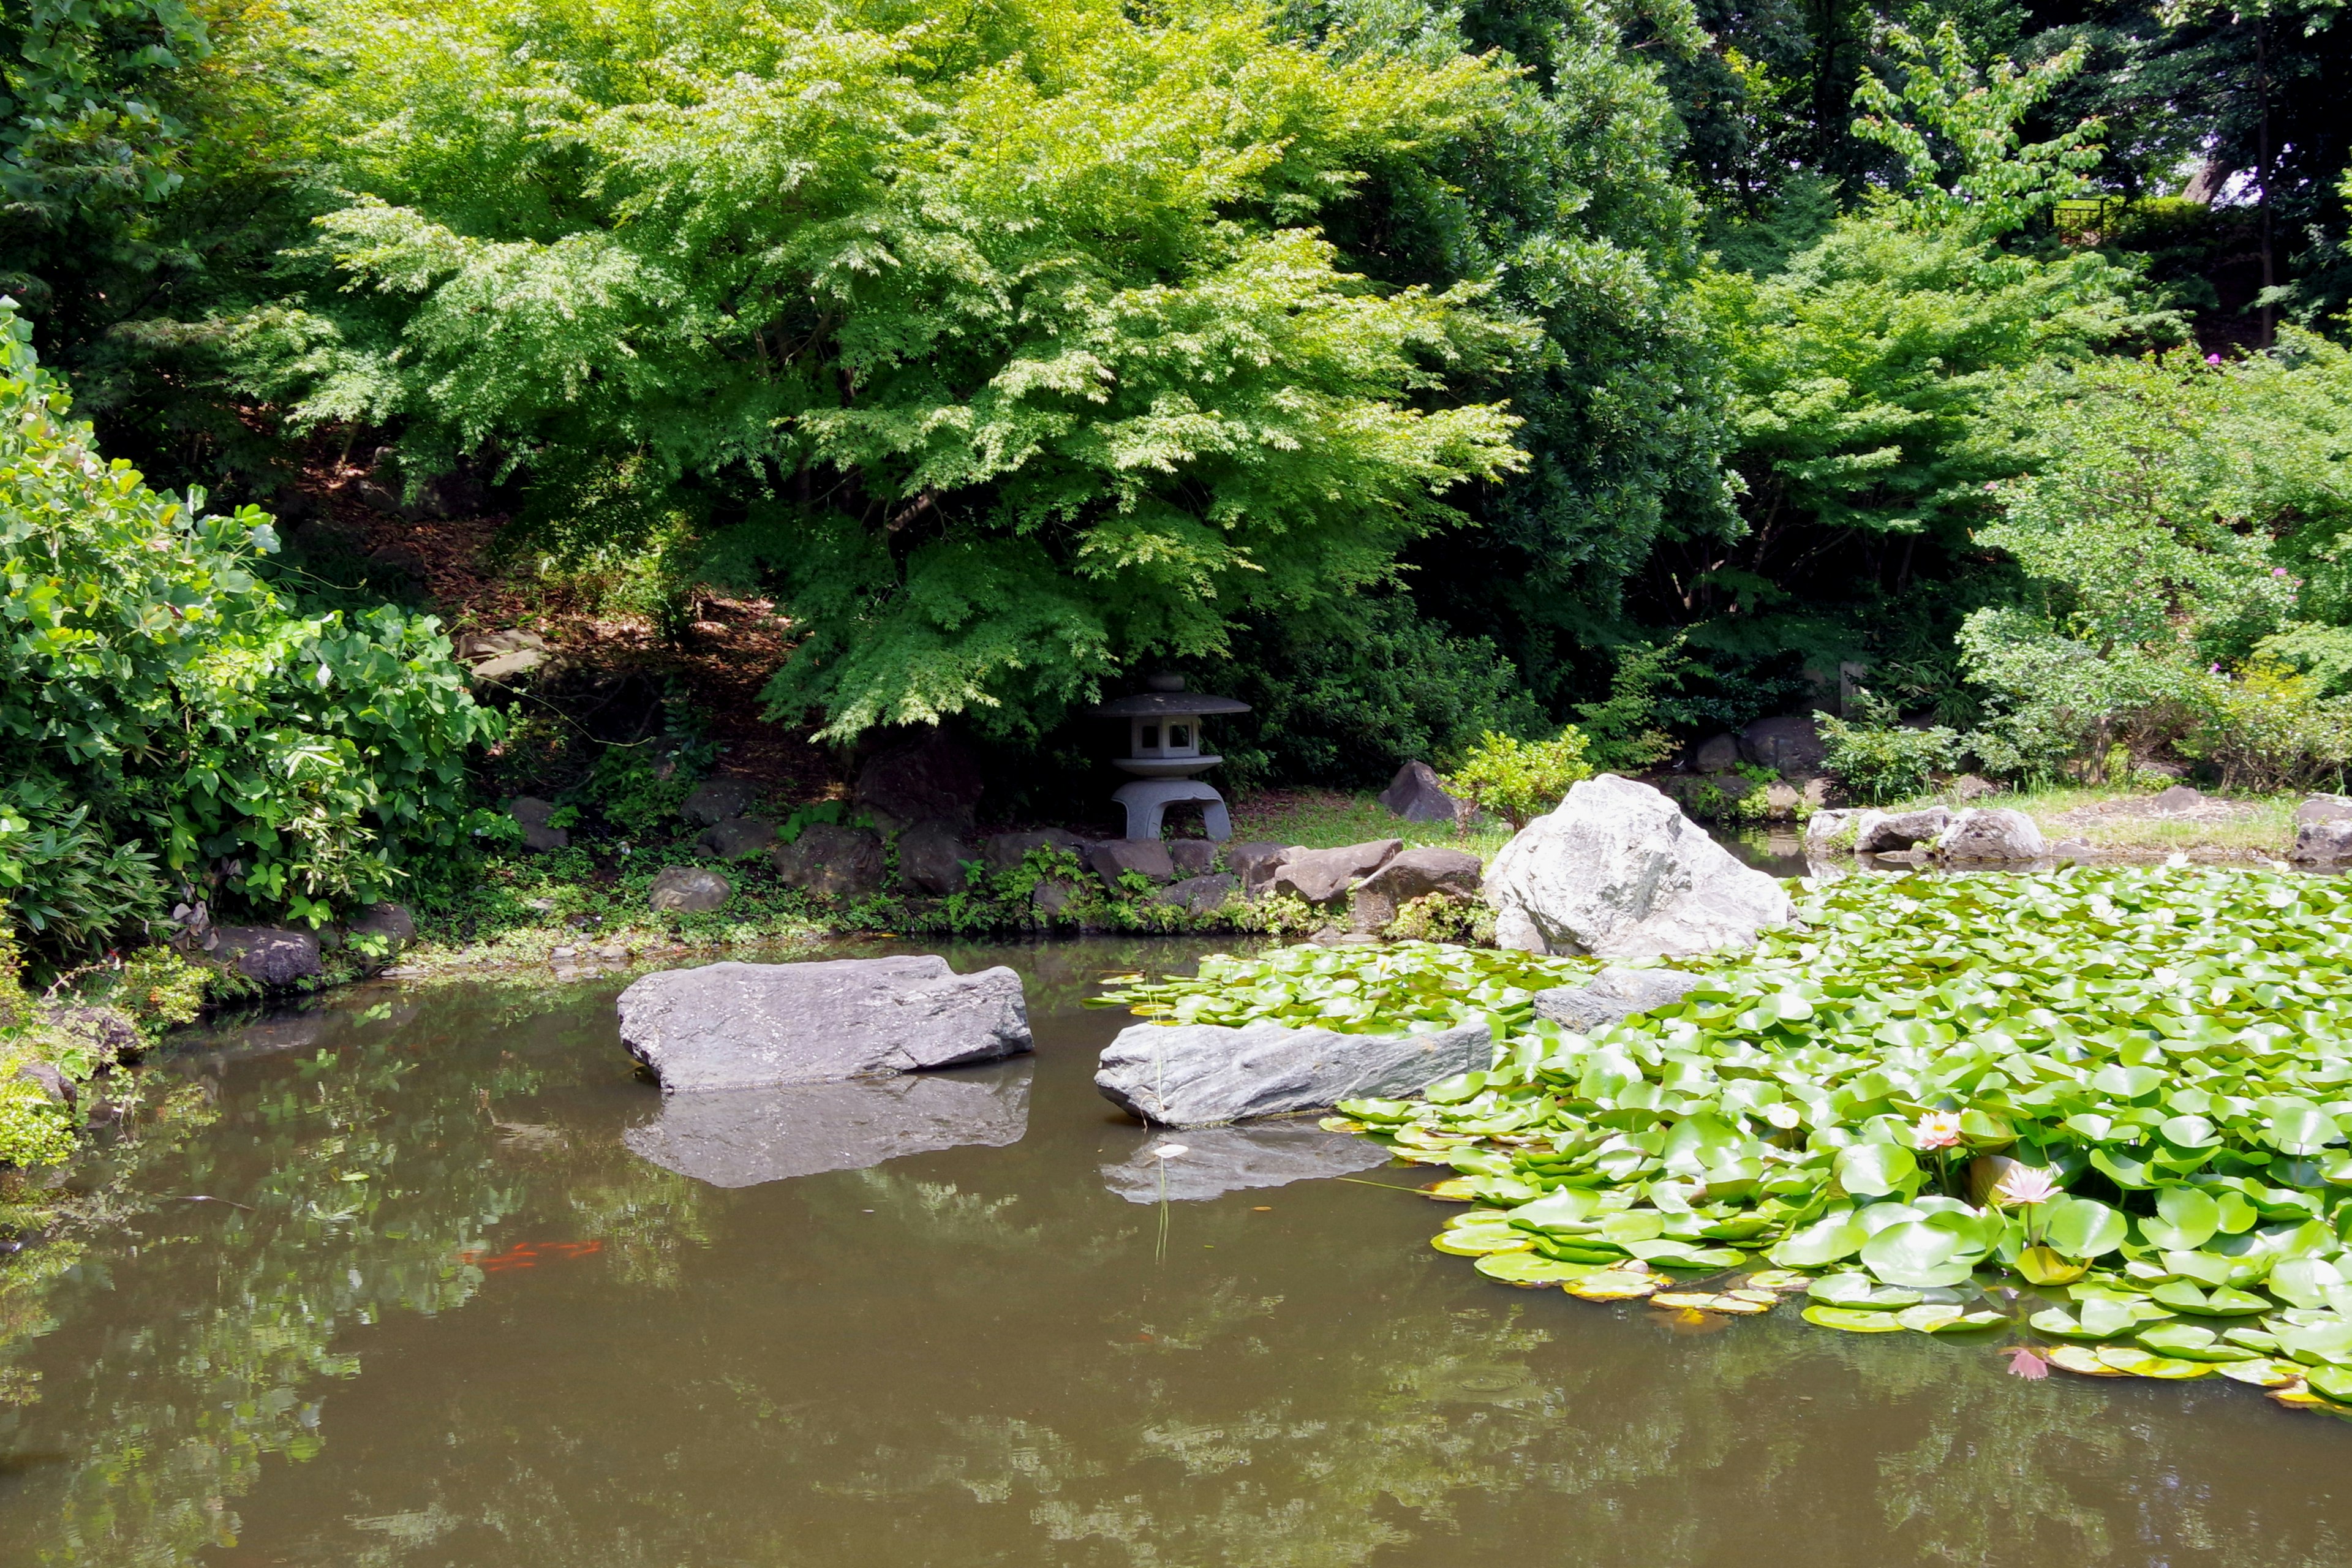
170, 722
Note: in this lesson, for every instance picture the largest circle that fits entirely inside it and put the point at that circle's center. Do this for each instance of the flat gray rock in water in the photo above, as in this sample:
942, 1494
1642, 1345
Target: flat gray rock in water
1203, 1075
751, 1026
1878, 832
1220, 1160
1618, 870
1318, 875
1990, 833
757, 1135
1614, 994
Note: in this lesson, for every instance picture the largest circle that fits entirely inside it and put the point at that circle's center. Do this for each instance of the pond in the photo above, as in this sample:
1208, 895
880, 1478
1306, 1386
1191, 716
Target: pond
446, 1284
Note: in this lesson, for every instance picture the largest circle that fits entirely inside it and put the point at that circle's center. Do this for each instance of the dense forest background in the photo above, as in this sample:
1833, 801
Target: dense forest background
1408, 371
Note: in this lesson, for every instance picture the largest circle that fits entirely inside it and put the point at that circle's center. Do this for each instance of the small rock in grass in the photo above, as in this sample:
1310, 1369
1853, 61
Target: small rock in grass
1319, 875
831, 861
1113, 857
1990, 833
532, 814
715, 800
2178, 798
1191, 856
931, 856
738, 836
1202, 894
1968, 787
1418, 794
688, 891
1879, 832
2324, 808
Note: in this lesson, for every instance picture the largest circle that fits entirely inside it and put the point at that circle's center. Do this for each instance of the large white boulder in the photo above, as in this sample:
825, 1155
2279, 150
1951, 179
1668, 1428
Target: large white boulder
1619, 872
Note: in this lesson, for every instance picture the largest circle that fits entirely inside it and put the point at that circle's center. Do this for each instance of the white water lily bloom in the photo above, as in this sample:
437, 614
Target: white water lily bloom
1170, 1151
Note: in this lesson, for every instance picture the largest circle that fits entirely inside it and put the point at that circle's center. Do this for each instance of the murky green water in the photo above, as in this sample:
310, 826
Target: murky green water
463, 1316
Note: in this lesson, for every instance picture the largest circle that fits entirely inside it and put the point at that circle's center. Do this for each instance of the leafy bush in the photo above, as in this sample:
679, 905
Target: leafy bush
166, 713
1879, 759
1521, 780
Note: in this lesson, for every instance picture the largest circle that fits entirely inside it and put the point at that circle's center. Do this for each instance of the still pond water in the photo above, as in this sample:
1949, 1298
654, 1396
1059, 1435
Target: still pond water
484, 1301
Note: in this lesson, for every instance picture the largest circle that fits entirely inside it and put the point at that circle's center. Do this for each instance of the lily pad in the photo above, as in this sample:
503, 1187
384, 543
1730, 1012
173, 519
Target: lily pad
2139, 1362
1529, 1269
1477, 1241
1611, 1285
1942, 1318
2083, 1359
1852, 1321
2263, 1372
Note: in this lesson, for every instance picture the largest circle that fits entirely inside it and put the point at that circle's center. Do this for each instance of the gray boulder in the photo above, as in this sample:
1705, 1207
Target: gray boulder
1319, 875
930, 774
832, 862
1990, 833
2324, 808
1717, 754
1005, 851
1255, 862
1881, 831
1191, 856
1415, 874
1202, 894
1968, 787
532, 814
272, 956
1216, 1160
1418, 794
1833, 832
931, 856
1790, 745
756, 1135
715, 800
1114, 857
2323, 843
1619, 871
748, 1026
2177, 798
54, 1084
738, 836
1202, 1075
389, 924
1611, 995
688, 891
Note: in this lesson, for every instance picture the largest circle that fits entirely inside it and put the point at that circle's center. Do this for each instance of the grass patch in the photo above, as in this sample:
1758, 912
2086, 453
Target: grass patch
1328, 818
2120, 822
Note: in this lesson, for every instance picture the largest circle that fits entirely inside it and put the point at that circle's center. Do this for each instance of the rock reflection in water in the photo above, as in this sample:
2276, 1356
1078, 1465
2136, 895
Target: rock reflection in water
1228, 1159
743, 1138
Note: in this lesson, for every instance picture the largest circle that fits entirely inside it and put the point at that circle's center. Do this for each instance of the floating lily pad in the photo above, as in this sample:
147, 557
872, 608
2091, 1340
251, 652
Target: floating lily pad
1853, 1320
1611, 1285
2263, 1372
1529, 1269
1778, 1279
2189, 1341
2220, 1302
1714, 1301
2139, 1363
1476, 1241
1453, 1190
2083, 1359
1944, 1318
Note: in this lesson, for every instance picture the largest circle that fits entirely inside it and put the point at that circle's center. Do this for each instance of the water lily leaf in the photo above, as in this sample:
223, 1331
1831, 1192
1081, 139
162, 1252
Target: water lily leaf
2305, 1281
1611, 1285
2128, 1083
1823, 1242
1777, 1280
1633, 1225
2081, 1358
2189, 1131
2043, 1266
1714, 1302
1454, 1189
1918, 1254
1852, 1321
2314, 1343
2186, 1219
2182, 1296
2297, 1126
2084, 1228
1567, 1207
1476, 1241
1375, 1110
2139, 1362
1529, 1269
2335, 1382
2190, 1343
2263, 1372
1876, 1170
1860, 1292
1574, 1248
1683, 1255
1945, 1318
2205, 1267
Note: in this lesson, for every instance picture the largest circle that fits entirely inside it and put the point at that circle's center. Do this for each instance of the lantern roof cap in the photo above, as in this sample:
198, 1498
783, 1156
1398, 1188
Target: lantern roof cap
1168, 698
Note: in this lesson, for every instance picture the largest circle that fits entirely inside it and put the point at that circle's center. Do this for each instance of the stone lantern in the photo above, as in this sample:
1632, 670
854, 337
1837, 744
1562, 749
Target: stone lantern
1164, 751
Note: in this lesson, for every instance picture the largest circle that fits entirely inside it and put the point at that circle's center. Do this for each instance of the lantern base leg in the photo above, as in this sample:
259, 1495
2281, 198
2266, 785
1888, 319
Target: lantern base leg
1147, 802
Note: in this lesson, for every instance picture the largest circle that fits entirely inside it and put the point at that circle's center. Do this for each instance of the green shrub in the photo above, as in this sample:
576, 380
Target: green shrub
1521, 780
166, 714
33, 1129
1879, 759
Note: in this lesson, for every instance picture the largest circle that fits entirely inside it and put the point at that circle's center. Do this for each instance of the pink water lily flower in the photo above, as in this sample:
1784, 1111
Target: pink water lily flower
1937, 1129
2023, 1184
2027, 1362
